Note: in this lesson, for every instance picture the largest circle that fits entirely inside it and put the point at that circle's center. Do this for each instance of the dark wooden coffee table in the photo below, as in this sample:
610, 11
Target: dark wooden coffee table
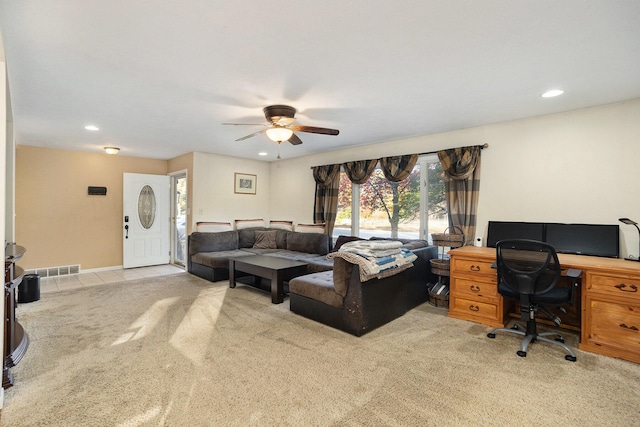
277, 270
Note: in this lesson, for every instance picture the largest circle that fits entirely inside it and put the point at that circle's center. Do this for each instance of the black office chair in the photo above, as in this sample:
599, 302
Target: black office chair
529, 271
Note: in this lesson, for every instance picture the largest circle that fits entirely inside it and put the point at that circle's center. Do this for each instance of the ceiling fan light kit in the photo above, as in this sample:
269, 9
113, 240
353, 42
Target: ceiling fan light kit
279, 134
281, 118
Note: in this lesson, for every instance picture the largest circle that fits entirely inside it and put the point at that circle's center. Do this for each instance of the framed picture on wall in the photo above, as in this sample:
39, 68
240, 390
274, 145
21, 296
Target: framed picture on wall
245, 183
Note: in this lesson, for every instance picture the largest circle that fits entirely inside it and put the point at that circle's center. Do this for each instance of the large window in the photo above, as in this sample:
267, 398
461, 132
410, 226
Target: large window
413, 208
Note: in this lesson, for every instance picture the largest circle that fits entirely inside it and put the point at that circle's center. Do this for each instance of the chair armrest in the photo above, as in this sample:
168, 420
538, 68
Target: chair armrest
574, 276
573, 273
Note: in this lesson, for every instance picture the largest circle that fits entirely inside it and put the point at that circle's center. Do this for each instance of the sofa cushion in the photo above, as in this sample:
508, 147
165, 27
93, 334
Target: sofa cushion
255, 251
210, 242
247, 236
281, 239
265, 240
317, 286
310, 243
341, 276
218, 259
318, 263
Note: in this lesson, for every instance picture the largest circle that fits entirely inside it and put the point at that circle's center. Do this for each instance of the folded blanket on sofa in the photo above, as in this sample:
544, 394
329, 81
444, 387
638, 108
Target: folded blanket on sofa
372, 248
377, 266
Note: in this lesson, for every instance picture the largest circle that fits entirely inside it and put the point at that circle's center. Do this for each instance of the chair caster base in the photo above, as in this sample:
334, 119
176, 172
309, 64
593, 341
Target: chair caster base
521, 353
491, 335
570, 358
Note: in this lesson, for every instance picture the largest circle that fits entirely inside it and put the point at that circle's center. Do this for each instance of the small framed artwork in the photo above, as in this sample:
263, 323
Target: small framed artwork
245, 183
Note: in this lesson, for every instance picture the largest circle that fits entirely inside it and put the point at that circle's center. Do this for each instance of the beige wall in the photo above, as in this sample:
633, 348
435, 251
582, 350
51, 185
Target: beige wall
579, 167
213, 189
57, 221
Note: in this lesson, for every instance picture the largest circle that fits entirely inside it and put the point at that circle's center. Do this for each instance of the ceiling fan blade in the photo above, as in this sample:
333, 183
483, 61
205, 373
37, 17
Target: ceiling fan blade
251, 135
295, 140
312, 129
245, 124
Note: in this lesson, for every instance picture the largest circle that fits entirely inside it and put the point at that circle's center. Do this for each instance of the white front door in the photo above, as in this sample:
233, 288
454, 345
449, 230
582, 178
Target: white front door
146, 220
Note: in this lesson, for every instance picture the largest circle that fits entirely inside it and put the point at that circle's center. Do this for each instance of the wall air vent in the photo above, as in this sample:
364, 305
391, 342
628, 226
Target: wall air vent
64, 270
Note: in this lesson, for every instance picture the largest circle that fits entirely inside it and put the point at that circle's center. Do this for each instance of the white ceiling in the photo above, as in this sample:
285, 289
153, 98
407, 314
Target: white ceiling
160, 77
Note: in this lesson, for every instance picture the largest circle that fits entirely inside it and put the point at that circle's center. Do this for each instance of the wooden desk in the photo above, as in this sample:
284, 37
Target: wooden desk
610, 301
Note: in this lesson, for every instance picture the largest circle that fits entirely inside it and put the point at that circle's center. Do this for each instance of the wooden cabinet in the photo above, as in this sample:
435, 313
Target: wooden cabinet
473, 289
611, 315
609, 306
15, 339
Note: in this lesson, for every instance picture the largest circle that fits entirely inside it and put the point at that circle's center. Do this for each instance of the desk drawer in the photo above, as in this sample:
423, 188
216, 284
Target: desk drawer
618, 286
473, 288
615, 325
467, 266
475, 310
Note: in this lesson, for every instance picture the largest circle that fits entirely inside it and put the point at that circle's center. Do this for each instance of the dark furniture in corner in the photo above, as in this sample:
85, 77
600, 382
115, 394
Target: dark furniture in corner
529, 271
15, 338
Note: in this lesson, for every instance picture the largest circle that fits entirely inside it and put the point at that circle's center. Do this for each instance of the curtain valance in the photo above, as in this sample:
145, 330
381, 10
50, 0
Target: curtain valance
360, 170
324, 175
398, 168
461, 165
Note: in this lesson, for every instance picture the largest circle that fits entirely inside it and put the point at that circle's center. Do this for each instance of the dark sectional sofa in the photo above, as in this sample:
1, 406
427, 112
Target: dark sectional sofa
209, 253
332, 292
339, 298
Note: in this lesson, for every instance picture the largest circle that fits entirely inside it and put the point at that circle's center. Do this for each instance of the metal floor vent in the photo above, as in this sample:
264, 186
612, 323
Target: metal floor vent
55, 271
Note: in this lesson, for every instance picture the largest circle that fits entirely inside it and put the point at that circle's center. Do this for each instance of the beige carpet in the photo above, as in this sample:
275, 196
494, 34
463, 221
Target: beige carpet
181, 351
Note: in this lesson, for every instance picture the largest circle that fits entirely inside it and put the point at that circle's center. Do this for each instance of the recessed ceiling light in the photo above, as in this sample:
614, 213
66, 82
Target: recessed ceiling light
91, 127
112, 150
552, 93
262, 153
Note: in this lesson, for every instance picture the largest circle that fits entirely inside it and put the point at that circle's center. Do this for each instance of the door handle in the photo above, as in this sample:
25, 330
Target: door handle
126, 227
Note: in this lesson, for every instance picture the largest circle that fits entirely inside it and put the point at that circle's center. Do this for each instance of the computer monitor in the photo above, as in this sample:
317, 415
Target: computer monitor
585, 239
500, 230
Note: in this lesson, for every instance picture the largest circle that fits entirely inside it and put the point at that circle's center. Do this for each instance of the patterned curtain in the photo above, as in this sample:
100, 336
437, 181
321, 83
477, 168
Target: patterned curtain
461, 168
325, 206
360, 171
397, 168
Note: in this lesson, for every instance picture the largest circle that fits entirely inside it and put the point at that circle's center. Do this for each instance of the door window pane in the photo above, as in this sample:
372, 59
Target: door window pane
147, 206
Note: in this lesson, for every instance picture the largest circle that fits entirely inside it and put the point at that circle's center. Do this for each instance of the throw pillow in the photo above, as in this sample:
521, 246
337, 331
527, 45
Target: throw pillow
265, 240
